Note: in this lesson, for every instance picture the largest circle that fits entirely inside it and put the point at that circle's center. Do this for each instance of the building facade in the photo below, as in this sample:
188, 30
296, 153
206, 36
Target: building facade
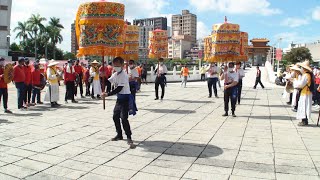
178, 45
74, 42
186, 23
5, 18
258, 51
146, 25
314, 49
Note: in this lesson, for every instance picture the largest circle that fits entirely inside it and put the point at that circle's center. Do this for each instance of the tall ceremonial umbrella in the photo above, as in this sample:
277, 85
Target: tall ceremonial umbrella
131, 43
207, 47
158, 44
225, 42
243, 47
99, 30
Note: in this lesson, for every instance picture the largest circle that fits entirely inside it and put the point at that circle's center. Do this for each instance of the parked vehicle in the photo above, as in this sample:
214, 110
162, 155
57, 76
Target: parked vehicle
248, 64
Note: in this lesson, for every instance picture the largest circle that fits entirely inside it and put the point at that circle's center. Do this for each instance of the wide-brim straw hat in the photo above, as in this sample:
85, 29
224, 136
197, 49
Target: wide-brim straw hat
305, 65
53, 63
95, 62
295, 67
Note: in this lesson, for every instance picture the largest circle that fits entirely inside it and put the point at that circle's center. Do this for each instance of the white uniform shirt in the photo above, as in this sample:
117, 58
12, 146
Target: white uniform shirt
213, 69
229, 77
162, 70
133, 72
240, 73
121, 79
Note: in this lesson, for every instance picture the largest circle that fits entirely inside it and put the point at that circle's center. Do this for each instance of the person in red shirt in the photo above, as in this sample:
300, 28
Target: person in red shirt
3, 87
104, 74
79, 70
69, 78
35, 82
28, 87
19, 78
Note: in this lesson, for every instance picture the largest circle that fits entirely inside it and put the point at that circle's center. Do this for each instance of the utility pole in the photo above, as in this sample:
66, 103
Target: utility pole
278, 63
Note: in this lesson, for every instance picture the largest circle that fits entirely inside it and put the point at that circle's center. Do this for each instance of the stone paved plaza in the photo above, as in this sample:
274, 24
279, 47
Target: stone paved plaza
182, 137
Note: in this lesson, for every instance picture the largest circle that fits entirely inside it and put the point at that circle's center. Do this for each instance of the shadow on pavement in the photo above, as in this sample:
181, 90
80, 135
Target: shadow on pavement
171, 111
268, 117
181, 148
191, 101
27, 114
4, 121
244, 98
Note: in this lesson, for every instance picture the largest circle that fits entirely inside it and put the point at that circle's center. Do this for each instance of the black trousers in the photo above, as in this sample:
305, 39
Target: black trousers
297, 100
133, 90
212, 83
21, 93
69, 91
88, 89
80, 85
162, 85
4, 94
203, 77
120, 111
230, 94
239, 90
36, 93
290, 97
27, 93
258, 80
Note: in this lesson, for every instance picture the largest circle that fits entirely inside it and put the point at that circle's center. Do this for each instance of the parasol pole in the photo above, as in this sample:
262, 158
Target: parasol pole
103, 82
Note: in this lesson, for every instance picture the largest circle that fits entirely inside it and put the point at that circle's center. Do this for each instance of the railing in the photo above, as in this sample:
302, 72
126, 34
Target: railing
174, 76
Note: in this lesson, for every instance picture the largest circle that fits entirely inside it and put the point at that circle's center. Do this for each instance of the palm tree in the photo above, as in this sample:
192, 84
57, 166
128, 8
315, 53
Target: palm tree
34, 25
55, 33
55, 37
44, 39
55, 22
22, 29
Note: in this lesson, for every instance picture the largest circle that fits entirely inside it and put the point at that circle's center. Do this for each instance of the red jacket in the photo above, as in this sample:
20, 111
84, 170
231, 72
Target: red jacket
19, 74
78, 69
35, 77
69, 76
3, 85
27, 70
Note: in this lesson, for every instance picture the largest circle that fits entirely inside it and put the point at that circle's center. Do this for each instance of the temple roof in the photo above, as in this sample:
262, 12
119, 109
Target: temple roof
260, 40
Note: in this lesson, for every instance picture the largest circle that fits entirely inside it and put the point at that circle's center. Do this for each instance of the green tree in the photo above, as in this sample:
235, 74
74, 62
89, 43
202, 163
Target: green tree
22, 29
35, 26
15, 47
298, 55
69, 55
54, 31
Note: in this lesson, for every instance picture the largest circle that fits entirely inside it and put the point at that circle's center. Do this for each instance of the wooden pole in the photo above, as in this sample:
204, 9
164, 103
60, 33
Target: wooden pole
103, 83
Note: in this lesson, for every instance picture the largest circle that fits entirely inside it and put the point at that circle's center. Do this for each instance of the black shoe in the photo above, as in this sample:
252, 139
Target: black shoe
74, 101
225, 114
82, 96
57, 104
303, 123
40, 102
117, 138
7, 111
233, 115
294, 110
156, 99
254, 88
161, 98
217, 97
130, 143
66, 102
238, 102
288, 103
209, 96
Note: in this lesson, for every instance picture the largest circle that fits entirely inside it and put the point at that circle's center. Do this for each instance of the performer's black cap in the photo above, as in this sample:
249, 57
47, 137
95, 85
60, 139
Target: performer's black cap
2, 59
21, 59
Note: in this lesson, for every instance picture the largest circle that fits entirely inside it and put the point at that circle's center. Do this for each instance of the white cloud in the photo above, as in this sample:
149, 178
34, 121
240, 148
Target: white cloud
295, 22
316, 13
295, 37
261, 7
202, 30
66, 11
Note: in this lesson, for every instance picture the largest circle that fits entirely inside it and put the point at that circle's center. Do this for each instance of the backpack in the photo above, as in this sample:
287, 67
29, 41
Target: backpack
312, 86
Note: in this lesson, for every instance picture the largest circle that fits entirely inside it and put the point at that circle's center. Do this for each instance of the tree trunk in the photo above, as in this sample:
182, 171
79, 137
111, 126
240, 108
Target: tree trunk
46, 51
54, 51
35, 47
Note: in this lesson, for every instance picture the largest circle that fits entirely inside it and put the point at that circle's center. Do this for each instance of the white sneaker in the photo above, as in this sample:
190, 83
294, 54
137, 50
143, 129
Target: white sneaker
316, 106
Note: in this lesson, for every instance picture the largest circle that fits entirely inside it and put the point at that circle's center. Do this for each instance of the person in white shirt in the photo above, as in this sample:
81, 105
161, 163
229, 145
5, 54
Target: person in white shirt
212, 76
241, 75
160, 72
133, 78
231, 79
121, 110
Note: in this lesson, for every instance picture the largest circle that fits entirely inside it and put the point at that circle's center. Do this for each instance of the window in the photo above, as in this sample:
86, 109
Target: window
2, 7
3, 28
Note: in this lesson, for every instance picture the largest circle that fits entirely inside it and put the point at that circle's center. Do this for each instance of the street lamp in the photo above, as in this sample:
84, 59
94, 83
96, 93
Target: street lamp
8, 44
35, 30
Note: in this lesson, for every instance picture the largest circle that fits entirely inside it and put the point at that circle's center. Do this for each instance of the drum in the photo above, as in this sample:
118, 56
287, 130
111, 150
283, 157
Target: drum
8, 73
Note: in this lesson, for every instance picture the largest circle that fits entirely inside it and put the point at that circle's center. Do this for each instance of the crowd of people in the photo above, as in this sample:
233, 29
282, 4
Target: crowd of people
303, 90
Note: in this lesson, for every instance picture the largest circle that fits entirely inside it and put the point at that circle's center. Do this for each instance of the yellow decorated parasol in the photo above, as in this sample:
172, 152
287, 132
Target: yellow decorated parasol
131, 43
207, 48
243, 47
99, 29
158, 44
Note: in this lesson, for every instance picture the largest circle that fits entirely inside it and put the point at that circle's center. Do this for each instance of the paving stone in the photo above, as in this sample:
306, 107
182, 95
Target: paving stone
143, 176
202, 175
281, 176
31, 164
114, 172
163, 171
16, 171
47, 158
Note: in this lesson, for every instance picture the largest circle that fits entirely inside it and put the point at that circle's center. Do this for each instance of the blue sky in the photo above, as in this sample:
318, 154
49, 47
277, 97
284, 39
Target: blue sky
293, 20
